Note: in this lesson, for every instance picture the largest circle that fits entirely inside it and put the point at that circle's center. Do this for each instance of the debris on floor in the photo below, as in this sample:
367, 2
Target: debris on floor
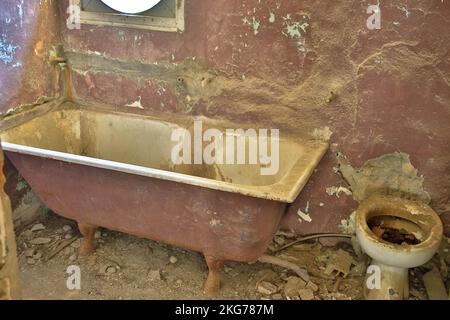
292, 287
434, 285
127, 267
340, 263
267, 288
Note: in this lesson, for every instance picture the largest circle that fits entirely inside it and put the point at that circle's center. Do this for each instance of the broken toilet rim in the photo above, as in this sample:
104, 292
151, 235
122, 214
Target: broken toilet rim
406, 256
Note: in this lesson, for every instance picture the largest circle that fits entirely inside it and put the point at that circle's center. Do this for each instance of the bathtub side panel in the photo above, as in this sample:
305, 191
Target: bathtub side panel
222, 224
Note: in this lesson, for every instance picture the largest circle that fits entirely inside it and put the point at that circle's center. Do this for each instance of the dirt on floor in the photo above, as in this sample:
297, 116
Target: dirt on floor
127, 267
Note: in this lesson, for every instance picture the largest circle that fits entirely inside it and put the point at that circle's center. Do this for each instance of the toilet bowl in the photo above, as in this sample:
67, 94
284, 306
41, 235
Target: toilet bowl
397, 234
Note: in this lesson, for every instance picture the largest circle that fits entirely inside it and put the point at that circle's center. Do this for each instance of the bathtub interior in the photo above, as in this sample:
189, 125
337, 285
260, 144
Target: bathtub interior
138, 141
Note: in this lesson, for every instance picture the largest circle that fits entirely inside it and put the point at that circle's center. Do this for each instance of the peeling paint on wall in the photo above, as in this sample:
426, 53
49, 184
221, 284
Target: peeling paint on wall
331, 191
215, 223
391, 174
135, 104
323, 134
272, 17
304, 215
255, 23
296, 30
20, 10
348, 226
7, 50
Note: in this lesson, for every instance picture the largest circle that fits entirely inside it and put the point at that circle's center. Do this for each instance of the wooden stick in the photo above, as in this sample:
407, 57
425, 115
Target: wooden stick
59, 247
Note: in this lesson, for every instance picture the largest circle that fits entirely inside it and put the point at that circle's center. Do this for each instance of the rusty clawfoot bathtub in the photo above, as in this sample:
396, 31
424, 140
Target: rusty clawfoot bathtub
113, 170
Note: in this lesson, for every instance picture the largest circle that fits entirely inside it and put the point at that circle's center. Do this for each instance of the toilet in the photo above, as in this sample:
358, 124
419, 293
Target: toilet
397, 234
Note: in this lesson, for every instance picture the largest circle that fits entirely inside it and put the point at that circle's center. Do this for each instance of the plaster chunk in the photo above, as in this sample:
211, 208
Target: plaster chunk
390, 174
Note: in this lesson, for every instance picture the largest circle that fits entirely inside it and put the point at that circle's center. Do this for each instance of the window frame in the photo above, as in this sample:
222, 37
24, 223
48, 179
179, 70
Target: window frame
166, 24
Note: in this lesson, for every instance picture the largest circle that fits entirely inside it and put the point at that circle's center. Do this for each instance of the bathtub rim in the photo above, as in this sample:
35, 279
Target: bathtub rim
283, 193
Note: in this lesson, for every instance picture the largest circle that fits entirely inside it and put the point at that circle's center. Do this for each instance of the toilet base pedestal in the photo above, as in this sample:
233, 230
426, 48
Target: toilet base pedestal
385, 282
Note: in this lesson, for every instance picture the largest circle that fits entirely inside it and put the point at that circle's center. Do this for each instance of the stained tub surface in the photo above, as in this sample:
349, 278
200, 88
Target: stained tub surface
115, 171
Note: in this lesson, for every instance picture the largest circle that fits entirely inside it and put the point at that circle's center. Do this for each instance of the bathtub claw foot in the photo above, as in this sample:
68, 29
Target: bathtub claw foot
212, 284
88, 233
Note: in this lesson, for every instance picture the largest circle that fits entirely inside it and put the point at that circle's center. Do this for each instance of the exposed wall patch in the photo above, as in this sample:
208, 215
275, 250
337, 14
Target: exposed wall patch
391, 174
255, 23
136, 104
272, 17
7, 50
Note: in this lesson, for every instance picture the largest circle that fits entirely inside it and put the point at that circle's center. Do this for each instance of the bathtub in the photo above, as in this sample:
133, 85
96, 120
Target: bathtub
114, 170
